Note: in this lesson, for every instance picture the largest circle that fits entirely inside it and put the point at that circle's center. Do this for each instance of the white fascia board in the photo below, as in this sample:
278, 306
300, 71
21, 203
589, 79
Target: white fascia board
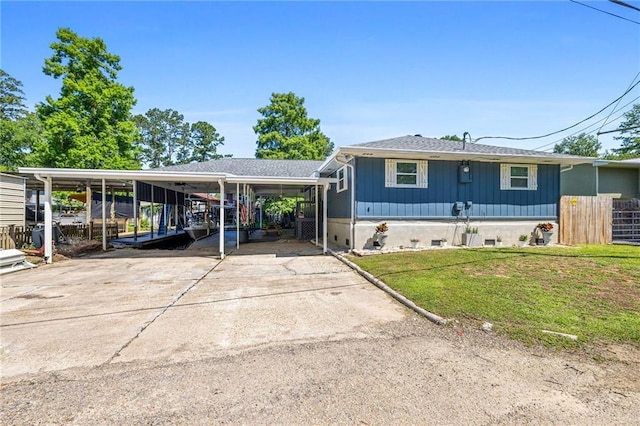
144, 175
275, 180
463, 155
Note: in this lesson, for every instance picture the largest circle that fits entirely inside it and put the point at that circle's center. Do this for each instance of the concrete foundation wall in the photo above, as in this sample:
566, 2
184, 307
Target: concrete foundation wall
338, 230
400, 233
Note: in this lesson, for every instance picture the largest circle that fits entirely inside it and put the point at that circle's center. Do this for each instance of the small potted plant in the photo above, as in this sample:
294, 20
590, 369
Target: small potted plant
523, 240
471, 238
443, 242
498, 241
546, 228
415, 242
381, 234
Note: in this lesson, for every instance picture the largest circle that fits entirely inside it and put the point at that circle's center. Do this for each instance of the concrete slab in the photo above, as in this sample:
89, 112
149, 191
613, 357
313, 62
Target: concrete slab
132, 305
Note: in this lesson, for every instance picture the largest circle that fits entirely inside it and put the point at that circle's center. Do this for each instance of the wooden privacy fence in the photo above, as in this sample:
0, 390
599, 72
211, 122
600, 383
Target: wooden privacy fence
585, 220
19, 236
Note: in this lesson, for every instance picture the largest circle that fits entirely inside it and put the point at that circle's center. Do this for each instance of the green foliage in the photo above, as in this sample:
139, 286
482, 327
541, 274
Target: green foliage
280, 206
286, 132
630, 147
203, 143
11, 97
20, 130
583, 144
166, 139
90, 124
524, 291
451, 138
163, 134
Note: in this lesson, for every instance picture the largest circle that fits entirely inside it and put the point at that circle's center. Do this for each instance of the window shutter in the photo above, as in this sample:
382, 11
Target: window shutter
390, 174
533, 177
423, 175
505, 176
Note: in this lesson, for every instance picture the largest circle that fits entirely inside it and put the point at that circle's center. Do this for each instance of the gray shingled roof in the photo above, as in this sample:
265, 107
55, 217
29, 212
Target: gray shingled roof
419, 143
252, 167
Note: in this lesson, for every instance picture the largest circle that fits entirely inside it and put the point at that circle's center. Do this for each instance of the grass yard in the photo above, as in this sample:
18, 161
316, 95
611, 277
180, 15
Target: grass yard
592, 291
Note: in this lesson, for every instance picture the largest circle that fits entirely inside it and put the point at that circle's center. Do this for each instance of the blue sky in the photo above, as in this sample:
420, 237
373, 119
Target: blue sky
367, 70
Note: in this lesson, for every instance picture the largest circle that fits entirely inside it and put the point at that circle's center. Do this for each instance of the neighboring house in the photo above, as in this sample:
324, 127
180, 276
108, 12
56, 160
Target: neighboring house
432, 189
12, 200
619, 179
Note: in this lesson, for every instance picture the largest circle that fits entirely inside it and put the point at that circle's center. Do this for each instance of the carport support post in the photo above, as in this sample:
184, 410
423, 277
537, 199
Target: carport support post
325, 233
316, 205
237, 215
221, 217
48, 220
104, 215
135, 210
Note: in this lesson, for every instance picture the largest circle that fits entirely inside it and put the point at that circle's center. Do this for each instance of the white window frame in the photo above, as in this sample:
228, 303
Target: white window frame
343, 182
391, 175
505, 177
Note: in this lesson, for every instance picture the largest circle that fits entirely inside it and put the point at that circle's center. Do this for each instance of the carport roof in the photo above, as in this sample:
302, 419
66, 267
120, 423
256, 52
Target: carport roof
256, 167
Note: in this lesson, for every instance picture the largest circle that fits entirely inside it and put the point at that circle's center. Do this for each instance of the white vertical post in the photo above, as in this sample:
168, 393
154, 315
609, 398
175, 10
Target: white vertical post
325, 233
104, 215
221, 231
238, 215
135, 210
151, 215
48, 222
316, 218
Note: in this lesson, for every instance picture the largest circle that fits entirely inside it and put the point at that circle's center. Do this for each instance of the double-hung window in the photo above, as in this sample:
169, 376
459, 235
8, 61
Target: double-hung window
518, 177
406, 174
343, 184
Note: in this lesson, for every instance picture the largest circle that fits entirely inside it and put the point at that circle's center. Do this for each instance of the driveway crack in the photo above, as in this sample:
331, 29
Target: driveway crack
165, 309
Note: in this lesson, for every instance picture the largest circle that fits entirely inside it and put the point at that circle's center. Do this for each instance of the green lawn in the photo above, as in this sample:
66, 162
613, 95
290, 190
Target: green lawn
591, 291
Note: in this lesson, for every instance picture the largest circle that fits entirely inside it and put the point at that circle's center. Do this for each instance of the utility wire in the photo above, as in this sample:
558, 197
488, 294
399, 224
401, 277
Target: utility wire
566, 128
614, 108
604, 11
621, 3
583, 130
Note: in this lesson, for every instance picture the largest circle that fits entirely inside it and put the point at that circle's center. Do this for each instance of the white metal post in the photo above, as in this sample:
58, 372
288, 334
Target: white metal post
221, 226
104, 215
316, 218
325, 233
135, 210
48, 222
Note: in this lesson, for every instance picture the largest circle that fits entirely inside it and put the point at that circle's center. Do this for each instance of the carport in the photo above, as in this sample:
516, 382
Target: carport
172, 179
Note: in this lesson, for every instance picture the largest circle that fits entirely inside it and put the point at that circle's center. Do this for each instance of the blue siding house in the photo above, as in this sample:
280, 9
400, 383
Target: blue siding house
432, 189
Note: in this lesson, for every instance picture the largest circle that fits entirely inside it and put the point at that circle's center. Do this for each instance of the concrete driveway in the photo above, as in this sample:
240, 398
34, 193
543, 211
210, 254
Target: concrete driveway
131, 305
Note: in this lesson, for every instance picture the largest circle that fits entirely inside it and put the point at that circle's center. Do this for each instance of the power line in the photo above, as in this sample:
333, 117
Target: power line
619, 130
604, 11
621, 3
614, 108
566, 128
583, 130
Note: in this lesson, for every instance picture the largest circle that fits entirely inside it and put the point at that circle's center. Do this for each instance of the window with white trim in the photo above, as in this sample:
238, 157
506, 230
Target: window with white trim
342, 179
519, 177
406, 174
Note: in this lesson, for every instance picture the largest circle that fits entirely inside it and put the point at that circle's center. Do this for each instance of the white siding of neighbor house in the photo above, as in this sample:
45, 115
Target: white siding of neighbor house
12, 199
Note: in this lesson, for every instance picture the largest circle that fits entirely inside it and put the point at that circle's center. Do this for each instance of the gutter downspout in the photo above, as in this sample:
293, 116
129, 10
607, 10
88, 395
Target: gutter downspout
48, 219
353, 198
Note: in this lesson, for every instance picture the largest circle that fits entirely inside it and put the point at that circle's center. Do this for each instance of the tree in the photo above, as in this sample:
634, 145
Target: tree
11, 97
583, 144
630, 147
202, 144
451, 138
163, 134
286, 131
90, 124
19, 129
